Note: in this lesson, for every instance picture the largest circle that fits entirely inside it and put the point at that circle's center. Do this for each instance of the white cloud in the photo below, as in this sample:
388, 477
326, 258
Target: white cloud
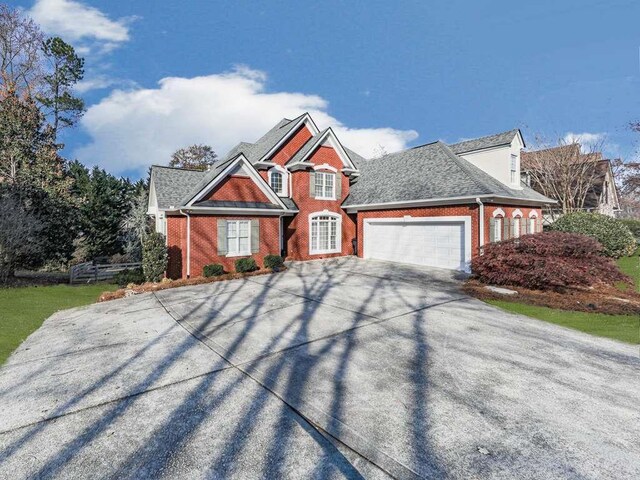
80, 24
100, 82
588, 141
133, 129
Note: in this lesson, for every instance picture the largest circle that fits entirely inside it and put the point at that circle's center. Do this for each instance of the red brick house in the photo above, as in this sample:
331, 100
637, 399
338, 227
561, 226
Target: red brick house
298, 192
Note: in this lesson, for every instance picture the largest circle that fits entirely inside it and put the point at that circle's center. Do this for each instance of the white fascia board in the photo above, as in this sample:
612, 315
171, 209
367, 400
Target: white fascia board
238, 211
300, 166
306, 120
442, 201
331, 138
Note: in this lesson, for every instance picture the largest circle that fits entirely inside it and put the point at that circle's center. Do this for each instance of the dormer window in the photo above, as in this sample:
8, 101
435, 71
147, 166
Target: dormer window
278, 181
515, 177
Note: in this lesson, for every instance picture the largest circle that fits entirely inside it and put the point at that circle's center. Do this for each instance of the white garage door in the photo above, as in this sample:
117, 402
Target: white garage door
431, 243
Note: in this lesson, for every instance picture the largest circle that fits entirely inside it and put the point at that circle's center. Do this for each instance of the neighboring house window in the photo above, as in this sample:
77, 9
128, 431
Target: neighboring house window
325, 185
275, 180
514, 170
238, 243
325, 234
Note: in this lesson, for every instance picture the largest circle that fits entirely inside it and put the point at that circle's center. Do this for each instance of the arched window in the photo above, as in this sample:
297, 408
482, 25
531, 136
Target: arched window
496, 225
533, 218
325, 232
278, 180
516, 226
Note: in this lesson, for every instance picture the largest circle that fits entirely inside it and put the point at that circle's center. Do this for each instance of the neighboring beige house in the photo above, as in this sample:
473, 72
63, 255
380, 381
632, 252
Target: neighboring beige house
600, 196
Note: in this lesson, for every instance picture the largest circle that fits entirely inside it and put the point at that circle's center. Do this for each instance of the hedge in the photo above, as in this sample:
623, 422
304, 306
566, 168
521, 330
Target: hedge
274, 262
615, 237
154, 256
633, 225
213, 270
244, 265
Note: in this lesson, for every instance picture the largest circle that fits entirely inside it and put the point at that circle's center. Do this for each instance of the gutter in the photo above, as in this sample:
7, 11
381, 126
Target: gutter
186, 214
480, 223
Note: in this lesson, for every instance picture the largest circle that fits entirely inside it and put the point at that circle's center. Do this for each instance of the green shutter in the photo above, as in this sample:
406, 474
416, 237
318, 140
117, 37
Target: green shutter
492, 230
255, 236
222, 237
338, 181
312, 184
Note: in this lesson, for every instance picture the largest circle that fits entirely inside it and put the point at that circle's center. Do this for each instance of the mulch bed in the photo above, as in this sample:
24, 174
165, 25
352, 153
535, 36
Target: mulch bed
166, 283
600, 299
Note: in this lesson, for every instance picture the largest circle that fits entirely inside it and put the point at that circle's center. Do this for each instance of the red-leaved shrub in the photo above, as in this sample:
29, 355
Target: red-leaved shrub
546, 261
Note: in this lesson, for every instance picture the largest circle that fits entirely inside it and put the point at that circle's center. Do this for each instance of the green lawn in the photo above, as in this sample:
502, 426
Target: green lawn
631, 266
22, 310
625, 328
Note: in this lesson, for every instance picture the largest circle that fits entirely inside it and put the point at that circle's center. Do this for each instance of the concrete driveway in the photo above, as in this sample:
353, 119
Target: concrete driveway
340, 368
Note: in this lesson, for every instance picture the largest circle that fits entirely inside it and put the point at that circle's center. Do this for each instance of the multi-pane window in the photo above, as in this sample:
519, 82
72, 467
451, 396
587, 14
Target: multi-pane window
497, 232
516, 227
275, 180
514, 170
325, 185
238, 232
324, 234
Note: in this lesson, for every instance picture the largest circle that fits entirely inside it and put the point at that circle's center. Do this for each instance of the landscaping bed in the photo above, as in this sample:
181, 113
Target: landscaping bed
167, 283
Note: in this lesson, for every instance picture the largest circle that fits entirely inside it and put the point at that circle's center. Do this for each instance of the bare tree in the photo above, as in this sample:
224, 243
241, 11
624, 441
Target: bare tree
19, 230
20, 53
194, 157
563, 171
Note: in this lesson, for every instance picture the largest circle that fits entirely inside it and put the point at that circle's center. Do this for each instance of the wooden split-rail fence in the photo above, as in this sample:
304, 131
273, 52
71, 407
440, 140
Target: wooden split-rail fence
90, 272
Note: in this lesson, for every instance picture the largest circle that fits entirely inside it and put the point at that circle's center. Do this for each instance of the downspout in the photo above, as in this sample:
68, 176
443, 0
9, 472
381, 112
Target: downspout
480, 224
186, 214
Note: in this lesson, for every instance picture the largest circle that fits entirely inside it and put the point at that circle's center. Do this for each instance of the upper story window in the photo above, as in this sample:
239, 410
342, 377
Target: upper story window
325, 185
275, 180
515, 175
278, 181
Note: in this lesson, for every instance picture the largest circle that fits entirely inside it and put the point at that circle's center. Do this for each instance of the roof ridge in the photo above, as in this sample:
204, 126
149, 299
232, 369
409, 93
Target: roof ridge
178, 168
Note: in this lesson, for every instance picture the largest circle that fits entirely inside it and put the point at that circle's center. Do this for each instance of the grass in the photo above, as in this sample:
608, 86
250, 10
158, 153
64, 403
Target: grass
625, 328
631, 266
22, 310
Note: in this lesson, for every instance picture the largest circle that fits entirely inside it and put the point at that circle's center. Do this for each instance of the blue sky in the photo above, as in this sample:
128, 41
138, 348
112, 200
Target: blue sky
164, 74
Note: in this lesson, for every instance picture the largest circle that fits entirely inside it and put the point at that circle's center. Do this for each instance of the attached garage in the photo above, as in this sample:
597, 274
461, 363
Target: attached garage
443, 242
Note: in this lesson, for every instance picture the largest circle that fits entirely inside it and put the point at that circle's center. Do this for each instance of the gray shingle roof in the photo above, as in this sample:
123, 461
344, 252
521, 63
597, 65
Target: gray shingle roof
229, 204
204, 180
423, 173
172, 184
489, 141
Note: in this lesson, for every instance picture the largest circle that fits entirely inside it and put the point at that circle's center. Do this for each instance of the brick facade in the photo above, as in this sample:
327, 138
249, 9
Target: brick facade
289, 149
204, 243
237, 188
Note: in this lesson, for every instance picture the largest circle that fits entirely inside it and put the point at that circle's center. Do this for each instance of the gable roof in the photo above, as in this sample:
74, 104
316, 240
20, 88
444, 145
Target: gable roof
490, 141
172, 184
428, 172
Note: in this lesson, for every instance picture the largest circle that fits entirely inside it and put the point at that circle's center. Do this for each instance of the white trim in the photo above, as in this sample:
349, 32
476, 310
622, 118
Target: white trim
338, 217
306, 120
517, 213
533, 214
239, 211
464, 219
325, 166
444, 201
336, 178
253, 174
498, 211
285, 180
237, 222
481, 223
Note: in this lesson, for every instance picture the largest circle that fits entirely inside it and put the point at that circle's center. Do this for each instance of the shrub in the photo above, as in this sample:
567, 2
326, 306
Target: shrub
615, 237
246, 265
213, 270
127, 276
546, 261
274, 262
634, 226
154, 257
